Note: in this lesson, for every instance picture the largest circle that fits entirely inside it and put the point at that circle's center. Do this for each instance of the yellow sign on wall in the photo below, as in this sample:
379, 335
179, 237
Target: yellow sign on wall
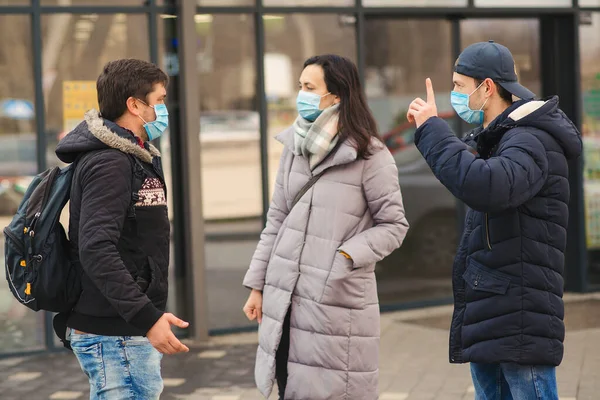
78, 98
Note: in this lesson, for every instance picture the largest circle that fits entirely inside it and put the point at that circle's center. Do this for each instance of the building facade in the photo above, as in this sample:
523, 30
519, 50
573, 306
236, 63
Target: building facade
234, 66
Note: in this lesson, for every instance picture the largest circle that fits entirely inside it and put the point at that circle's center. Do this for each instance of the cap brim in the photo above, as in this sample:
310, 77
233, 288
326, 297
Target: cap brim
516, 89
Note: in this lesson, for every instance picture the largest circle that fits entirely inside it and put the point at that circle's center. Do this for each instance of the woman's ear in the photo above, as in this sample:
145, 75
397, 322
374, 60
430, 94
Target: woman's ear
336, 100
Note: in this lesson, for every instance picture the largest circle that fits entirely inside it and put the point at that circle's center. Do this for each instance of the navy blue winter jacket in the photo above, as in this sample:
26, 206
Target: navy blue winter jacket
508, 272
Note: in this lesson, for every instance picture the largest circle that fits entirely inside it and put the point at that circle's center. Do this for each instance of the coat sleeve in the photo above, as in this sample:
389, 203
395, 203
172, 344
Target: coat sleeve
278, 211
512, 177
105, 199
382, 192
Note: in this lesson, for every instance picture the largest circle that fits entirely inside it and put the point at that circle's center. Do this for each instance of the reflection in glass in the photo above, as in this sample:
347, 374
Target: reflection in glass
289, 41
422, 268
414, 3
589, 38
20, 329
524, 3
521, 36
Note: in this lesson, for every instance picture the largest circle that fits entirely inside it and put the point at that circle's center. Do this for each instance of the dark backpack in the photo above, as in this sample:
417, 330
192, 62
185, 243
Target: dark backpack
40, 271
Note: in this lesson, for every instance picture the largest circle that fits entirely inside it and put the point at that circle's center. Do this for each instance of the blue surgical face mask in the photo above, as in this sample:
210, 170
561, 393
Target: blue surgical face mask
308, 105
460, 103
156, 128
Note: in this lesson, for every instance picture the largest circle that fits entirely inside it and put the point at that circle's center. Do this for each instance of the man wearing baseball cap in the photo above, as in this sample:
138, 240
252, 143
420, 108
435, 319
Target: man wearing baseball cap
508, 270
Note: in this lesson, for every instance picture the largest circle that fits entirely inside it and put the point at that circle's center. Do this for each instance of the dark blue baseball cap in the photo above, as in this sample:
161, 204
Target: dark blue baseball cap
492, 60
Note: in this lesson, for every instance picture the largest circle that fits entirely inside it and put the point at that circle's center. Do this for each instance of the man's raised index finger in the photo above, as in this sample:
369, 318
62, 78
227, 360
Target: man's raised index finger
430, 94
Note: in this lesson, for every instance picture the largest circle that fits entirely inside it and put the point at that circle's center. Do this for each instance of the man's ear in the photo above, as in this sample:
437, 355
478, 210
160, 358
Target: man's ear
133, 106
490, 87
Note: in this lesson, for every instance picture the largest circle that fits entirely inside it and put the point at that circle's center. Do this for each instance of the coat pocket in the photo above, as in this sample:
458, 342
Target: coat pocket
483, 279
345, 285
157, 289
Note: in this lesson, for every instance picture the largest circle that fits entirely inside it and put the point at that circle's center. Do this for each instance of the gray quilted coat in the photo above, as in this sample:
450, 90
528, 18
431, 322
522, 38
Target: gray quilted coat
355, 207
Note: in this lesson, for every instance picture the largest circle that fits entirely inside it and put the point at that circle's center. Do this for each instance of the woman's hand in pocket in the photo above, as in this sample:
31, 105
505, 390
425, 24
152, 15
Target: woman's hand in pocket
253, 307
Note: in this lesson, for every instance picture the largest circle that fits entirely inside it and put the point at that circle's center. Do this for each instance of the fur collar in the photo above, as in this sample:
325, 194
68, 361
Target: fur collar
97, 127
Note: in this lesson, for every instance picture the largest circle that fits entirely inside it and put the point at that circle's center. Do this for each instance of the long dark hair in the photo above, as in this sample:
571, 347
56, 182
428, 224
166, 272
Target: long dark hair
355, 121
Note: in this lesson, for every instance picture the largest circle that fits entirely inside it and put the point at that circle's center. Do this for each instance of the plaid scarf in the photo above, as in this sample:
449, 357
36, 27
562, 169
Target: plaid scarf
314, 140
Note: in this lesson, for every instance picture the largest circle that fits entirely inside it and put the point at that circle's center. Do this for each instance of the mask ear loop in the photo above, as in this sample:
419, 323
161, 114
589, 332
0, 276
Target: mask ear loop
470, 94
483, 105
486, 100
332, 104
147, 105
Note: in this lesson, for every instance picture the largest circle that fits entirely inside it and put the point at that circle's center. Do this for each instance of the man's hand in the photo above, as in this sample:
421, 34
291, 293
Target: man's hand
419, 110
163, 339
253, 307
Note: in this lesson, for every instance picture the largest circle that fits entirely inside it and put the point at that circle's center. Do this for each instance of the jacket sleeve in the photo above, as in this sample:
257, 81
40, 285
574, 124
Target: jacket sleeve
106, 186
382, 192
512, 177
278, 211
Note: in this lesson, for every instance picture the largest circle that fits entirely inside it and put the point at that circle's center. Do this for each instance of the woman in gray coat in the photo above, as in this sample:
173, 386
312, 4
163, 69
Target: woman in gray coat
336, 211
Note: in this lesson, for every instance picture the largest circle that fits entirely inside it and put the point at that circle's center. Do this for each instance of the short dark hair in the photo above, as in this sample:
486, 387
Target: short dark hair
356, 121
122, 79
504, 94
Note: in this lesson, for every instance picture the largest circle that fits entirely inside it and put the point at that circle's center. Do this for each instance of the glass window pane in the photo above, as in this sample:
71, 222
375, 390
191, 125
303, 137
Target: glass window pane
308, 3
15, 2
75, 47
414, 3
225, 3
20, 328
589, 39
230, 159
589, 3
393, 80
169, 63
523, 3
521, 36
67, 3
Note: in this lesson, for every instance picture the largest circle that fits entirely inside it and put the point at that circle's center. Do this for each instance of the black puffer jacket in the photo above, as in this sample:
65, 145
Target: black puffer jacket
121, 238
508, 271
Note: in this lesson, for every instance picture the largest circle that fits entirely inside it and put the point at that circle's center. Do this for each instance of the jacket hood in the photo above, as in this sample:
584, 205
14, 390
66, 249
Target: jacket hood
97, 133
546, 116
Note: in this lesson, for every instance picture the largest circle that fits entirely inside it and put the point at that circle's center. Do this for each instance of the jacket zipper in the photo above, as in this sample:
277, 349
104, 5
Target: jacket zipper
16, 241
487, 231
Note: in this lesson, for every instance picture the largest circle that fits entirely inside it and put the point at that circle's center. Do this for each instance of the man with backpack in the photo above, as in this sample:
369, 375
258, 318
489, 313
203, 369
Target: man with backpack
512, 173
119, 233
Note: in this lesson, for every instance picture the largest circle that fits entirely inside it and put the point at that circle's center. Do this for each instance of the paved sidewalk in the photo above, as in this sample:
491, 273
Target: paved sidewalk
413, 363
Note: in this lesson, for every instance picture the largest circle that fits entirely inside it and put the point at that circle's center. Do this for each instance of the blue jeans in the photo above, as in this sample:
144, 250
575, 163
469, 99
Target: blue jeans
508, 381
119, 367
